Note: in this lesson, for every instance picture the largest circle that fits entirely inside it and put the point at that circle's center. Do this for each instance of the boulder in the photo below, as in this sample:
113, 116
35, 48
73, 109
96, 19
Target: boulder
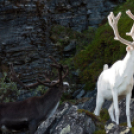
67, 121
112, 128
71, 46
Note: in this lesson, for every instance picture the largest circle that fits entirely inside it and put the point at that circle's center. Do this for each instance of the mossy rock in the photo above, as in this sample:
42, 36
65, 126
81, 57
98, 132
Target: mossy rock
99, 121
90, 114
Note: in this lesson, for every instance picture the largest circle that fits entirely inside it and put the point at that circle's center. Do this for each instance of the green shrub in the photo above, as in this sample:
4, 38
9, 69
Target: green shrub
42, 89
8, 91
103, 49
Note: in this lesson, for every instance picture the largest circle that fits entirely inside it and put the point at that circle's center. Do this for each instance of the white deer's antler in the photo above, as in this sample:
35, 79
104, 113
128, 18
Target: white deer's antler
113, 22
128, 12
131, 33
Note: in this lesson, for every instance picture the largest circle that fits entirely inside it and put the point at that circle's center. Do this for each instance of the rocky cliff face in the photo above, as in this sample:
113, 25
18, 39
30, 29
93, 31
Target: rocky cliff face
25, 30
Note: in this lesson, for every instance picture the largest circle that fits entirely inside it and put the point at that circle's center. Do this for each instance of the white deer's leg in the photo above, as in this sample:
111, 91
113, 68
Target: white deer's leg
99, 102
116, 107
128, 99
111, 112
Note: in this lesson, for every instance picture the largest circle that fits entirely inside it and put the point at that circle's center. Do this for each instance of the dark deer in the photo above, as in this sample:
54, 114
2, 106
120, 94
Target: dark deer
27, 114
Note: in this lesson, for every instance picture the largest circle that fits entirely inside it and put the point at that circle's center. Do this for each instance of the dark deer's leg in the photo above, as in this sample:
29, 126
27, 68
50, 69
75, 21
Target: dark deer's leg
33, 126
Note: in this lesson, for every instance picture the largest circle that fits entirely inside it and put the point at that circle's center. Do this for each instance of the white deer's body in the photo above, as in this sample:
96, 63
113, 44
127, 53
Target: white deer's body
118, 78
117, 82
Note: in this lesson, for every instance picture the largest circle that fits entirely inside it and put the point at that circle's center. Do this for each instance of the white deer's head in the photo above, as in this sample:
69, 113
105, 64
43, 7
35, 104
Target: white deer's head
113, 22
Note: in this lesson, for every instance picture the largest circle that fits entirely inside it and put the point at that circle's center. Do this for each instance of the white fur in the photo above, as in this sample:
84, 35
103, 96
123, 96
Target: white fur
66, 83
116, 82
105, 67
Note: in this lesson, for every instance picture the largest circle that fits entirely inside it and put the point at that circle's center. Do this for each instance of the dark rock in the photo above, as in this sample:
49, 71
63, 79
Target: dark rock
112, 128
75, 2
70, 47
67, 121
90, 94
76, 92
25, 29
80, 95
90, 105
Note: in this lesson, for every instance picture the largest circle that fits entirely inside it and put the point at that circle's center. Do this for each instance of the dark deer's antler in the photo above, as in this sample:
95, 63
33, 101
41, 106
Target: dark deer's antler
60, 69
14, 77
47, 81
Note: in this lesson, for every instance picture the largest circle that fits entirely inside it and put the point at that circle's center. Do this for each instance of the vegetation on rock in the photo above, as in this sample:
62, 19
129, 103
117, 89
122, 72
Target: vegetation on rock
91, 56
103, 49
125, 124
99, 121
8, 90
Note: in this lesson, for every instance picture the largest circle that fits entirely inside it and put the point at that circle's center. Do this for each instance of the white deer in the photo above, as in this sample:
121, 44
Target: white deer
117, 82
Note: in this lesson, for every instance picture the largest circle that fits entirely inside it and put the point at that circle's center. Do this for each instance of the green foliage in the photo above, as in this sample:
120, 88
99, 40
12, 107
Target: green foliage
94, 49
103, 49
41, 89
123, 124
104, 115
8, 91
61, 36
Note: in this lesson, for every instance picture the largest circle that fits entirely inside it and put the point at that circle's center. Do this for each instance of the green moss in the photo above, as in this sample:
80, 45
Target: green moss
94, 117
132, 129
99, 121
123, 124
100, 132
104, 115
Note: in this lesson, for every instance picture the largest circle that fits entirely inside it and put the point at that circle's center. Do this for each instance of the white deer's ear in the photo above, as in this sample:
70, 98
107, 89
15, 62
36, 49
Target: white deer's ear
129, 48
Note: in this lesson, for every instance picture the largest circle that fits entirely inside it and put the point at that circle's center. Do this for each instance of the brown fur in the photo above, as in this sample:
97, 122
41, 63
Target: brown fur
20, 115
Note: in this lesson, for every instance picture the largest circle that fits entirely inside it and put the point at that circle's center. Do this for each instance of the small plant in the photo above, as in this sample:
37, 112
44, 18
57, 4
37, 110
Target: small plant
8, 90
104, 115
41, 89
65, 97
